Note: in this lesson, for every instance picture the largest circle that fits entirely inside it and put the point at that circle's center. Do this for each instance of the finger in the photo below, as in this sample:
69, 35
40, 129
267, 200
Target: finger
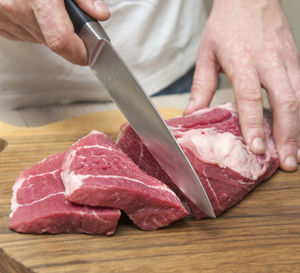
298, 151
285, 115
95, 8
295, 81
58, 31
205, 81
247, 91
293, 71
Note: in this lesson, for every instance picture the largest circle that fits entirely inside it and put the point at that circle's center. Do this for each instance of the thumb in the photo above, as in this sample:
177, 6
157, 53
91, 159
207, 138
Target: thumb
95, 8
205, 81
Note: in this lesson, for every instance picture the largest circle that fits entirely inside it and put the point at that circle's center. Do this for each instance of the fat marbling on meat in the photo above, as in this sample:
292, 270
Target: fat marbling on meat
212, 140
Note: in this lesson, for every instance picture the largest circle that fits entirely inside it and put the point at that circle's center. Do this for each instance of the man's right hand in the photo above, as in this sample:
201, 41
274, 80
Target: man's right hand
47, 22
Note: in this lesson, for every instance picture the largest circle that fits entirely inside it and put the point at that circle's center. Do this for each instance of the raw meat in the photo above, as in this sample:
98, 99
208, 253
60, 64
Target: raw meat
211, 138
39, 204
97, 173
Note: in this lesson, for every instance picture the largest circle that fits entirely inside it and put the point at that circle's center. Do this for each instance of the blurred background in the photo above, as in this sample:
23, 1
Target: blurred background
37, 116
291, 9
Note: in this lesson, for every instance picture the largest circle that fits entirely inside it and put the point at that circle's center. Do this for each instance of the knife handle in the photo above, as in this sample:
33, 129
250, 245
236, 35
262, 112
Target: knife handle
79, 19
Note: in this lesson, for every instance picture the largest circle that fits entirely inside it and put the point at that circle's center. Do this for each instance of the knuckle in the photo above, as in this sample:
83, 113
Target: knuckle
253, 126
271, 62
241, 56
289, 102
272, 53
58, 44
250, 95
287, 140
199, 87
252, 119
246, 87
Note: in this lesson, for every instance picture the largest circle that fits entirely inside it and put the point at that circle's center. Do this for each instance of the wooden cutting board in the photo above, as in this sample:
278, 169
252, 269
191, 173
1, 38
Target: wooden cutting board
260, 234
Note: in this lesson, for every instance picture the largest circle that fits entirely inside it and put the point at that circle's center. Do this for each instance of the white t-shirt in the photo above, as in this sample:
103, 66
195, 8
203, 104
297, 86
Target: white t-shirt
158, 39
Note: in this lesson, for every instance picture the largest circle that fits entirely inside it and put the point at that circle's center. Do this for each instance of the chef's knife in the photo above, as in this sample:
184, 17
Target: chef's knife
137, 107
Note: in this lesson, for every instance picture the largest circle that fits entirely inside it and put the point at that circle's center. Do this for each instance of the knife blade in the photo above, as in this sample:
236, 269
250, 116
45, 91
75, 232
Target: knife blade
124, 89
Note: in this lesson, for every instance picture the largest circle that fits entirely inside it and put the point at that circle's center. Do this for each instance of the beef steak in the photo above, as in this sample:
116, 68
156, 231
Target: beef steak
97, 173
212, 140
39, 204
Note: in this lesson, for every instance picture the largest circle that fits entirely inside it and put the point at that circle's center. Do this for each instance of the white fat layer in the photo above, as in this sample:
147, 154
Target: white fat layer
42, 199
88, 176
211, 189
100, 219
70, 180
18, 184
223, 150
109, 148
14, 203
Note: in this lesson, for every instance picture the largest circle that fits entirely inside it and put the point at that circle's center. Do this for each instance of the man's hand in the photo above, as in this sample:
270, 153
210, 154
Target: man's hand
47, 22
250, 41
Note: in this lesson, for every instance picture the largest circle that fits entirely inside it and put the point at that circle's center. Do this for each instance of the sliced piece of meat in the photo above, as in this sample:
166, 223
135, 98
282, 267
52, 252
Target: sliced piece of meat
39, 204
212, 140
97, 173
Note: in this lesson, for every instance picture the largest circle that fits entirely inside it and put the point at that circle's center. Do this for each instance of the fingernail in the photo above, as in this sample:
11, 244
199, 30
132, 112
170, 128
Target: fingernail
291, 162
100, 6
258, 145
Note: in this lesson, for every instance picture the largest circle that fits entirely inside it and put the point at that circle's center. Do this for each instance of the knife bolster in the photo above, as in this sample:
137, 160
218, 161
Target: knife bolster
94, 37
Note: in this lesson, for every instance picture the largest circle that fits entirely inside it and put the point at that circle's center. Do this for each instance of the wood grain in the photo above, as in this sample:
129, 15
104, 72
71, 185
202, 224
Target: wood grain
260, 234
